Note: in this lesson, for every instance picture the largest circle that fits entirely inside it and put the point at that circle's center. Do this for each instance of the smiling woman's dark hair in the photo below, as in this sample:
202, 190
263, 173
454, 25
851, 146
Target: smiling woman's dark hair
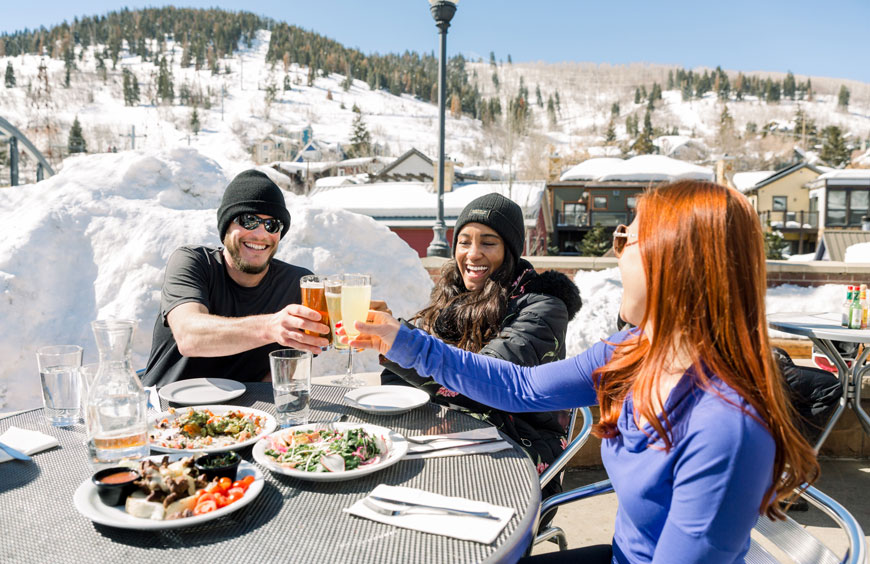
468, 319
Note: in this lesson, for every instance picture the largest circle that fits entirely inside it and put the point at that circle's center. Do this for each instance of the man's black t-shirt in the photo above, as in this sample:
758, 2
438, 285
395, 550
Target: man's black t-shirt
198, 274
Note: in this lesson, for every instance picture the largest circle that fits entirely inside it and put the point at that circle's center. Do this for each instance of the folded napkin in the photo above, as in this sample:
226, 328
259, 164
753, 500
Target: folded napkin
25, 440
457, 526
417, 450
153, 398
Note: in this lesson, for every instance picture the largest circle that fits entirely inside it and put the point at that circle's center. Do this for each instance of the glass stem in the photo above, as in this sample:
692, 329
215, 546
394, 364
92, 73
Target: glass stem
349, 376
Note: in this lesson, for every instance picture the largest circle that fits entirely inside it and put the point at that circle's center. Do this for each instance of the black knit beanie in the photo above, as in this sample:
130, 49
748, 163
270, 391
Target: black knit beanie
499, 213
252, 192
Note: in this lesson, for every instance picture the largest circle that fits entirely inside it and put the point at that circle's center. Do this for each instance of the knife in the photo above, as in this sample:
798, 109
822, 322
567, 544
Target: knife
427, 448
482, 514
14, 453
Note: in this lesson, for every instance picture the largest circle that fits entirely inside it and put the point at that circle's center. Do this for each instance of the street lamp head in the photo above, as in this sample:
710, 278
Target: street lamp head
443, 10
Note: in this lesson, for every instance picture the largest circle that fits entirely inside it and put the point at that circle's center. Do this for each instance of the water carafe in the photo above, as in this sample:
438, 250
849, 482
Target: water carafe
116, 407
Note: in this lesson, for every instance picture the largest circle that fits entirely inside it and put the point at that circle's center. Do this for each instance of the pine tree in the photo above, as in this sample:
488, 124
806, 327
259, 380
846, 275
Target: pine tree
287, 83
774, 243
726, 122
492, 58
510, 62
131, 88
644, 144
843, 97
834, 150
671, 83
610, 136
595, 243
539, 99
69, 64
614, 110
789, 86
165, 90
637, 95
495, 79
76, 142
348, 79
360, 138
194, 121
10, 75
551, 112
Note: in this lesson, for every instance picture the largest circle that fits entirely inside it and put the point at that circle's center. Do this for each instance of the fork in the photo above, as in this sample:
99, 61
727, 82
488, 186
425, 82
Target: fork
408, 506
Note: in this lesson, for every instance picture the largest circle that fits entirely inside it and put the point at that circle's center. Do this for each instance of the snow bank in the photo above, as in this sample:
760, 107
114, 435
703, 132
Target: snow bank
643, 168
859, 252
92, 242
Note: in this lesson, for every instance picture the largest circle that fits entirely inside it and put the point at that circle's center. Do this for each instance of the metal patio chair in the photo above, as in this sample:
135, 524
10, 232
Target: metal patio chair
551, 532
787, 535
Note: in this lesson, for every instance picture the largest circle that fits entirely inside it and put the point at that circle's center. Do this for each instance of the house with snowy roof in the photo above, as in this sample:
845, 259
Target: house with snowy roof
783, 202
841, 198
603, 191
409, 208
274, 147
415, 166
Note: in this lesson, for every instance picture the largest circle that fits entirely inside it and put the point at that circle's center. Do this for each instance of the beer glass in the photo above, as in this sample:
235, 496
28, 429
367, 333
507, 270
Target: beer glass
314, 297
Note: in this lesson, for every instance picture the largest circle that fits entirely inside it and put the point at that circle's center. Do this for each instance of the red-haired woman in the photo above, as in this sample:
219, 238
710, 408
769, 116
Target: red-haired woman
697, 433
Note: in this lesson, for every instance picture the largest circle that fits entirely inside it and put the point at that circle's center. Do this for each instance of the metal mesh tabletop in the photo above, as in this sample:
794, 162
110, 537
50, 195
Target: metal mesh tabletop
290, 521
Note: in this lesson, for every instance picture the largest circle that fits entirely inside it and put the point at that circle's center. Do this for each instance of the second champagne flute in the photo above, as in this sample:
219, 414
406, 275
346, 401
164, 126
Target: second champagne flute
356, 297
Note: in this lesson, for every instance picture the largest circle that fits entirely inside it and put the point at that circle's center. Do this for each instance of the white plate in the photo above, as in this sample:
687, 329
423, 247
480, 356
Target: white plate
88, 503
396, 443
198, 391
386, 400
269, 425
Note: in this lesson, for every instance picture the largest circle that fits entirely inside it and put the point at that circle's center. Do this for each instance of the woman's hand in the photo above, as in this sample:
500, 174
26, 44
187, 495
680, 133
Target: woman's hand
378, 333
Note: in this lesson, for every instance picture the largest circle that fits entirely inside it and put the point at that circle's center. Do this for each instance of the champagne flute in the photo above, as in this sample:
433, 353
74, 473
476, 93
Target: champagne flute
332, 286
356, 297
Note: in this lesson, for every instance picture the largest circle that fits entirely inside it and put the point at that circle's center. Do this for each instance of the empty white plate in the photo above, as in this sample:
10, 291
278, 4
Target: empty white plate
386, 400
201, 391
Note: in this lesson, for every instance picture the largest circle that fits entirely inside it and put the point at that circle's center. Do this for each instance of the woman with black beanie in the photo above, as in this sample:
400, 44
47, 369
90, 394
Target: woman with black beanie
490, 300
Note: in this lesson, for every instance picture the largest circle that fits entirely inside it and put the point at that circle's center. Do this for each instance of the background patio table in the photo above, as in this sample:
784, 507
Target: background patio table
291, 521
823, 329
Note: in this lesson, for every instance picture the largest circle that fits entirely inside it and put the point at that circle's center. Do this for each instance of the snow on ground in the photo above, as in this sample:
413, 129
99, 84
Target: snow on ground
92, 242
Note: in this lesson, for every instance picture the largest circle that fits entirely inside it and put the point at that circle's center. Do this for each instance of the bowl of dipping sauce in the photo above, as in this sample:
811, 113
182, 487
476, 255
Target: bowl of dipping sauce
115, 484
219, 465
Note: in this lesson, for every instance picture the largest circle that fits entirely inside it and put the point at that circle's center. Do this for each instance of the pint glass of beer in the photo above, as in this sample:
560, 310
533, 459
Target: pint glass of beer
314, 297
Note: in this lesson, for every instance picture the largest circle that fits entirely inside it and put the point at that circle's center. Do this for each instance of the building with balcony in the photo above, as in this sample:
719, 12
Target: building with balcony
603, 191
841, 198
783, 203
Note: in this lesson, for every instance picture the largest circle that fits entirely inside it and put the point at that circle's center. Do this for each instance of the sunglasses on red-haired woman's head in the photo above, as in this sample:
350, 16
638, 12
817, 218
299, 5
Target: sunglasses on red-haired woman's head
622, 239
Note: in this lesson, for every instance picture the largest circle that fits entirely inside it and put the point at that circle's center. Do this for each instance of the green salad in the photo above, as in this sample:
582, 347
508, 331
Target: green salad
327, 450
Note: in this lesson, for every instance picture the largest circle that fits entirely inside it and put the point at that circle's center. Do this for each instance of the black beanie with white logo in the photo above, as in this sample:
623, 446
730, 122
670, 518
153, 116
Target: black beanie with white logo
252, 191
501, 214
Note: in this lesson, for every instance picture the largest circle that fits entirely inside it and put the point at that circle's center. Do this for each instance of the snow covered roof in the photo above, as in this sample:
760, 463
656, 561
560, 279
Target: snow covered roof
671, 144
483, 172
365, 160
643, 168
332, 181
409, 200
842, 177
313, 167
745, 181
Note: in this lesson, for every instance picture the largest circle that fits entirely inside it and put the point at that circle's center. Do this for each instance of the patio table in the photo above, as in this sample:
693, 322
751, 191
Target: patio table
822, 329
290, 521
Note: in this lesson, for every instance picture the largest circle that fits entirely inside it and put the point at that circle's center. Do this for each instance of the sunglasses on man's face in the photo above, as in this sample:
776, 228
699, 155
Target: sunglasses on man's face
621, 238
250, 222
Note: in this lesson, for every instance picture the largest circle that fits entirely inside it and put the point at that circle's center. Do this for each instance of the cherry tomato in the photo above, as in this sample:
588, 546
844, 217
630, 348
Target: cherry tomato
212, 487
221, 500
248, 480
204, 507
225, 483
235, 494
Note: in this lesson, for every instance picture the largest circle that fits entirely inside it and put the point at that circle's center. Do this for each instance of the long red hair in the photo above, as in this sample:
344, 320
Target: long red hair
703, 256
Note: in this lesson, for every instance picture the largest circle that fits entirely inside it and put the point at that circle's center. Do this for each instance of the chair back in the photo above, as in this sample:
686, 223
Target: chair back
573, 447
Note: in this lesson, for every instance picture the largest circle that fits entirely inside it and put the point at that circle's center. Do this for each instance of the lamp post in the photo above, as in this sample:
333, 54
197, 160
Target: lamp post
442, 11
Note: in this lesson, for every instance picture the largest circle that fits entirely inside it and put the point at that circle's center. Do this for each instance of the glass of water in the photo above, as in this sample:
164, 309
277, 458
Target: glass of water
61, 383
291, 385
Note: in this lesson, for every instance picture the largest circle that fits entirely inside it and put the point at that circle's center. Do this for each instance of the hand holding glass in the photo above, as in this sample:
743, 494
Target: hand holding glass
356, 295
313, 297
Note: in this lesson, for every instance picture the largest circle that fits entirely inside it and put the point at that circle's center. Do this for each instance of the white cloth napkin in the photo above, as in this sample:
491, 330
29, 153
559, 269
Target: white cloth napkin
25, 440
417, 451
457, 526
153, 398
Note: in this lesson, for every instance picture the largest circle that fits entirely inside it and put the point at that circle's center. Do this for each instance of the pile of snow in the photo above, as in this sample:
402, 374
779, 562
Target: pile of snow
643, 168
745, 181
862, 160
92, 242
854, 177
859, 252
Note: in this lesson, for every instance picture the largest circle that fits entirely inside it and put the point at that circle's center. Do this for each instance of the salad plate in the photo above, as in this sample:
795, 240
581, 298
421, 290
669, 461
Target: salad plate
391, 444
87, 502
386, 400
200, 391
168, 431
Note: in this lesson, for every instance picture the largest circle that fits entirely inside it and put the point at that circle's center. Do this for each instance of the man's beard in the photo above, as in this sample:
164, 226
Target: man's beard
242, 265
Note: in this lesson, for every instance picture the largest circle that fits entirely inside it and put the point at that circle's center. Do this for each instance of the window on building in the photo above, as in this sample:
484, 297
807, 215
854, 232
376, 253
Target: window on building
631, 202
599, 203
835, 211
574, 213
858, 208
780, 203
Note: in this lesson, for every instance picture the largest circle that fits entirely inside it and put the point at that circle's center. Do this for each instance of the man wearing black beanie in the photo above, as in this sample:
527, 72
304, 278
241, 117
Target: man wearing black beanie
223, 310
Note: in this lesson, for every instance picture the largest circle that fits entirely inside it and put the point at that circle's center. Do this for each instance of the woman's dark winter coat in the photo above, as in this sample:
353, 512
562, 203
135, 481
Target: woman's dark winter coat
531, 333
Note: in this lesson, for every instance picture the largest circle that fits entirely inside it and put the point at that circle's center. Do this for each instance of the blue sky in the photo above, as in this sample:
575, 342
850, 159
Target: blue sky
815, 38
